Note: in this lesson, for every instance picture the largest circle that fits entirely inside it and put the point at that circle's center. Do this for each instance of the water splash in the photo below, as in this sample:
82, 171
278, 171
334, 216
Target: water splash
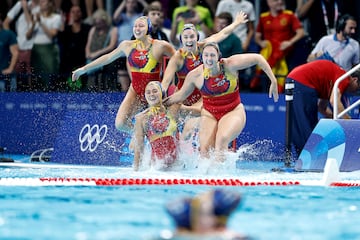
263, 150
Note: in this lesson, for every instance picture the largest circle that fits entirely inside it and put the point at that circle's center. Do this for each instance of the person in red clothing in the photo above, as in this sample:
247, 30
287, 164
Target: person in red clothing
144, 57
223, 116
276, 33
313, 91
159, 126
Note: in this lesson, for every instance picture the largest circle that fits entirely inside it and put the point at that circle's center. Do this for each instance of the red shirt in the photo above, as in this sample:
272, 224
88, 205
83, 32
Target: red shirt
320, 75
278, 28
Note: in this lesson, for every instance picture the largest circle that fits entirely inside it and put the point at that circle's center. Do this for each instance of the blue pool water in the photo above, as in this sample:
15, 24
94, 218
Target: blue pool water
137, 212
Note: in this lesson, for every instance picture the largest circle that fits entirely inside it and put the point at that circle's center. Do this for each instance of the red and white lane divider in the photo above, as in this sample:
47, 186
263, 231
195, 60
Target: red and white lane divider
331, 177
159, 181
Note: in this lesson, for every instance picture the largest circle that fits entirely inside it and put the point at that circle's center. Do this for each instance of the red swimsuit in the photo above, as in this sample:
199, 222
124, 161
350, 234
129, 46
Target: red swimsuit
161, 130
189, 64
144, 68
220, 93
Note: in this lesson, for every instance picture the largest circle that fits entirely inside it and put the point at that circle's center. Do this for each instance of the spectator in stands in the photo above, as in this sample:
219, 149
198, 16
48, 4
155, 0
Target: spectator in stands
205, 216
124, 18
21, 13
145, 56
154, 12
90, 7
313, 92
277, 31
223, 115
102, 39
319, 16
165, 21
339, 47
72, 43
9, 53
192, 13
244, 32
45, 53
232, 44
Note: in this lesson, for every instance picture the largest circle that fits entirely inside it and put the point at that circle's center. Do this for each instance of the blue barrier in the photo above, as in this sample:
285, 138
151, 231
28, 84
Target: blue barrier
33, 121
30, 121
90, 138
337, 139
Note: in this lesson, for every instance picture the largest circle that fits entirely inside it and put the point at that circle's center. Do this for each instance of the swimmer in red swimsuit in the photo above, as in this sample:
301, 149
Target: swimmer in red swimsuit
144, 56
223, 115
159, 126
188, 57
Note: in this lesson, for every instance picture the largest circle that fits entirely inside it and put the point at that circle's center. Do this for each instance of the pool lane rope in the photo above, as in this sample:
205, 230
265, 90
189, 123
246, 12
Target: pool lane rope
159, 181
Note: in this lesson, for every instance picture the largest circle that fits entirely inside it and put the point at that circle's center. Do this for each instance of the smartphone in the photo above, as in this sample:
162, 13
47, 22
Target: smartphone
187, 14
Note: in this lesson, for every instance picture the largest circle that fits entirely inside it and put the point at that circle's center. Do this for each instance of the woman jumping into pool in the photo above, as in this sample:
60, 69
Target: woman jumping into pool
144, 56
158, 124
188, 57
223, 115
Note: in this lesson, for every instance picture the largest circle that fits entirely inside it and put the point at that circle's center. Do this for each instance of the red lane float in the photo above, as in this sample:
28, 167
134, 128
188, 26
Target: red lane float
157, 181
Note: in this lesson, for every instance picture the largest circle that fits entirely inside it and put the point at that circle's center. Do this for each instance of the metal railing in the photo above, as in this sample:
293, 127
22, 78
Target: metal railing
337, 82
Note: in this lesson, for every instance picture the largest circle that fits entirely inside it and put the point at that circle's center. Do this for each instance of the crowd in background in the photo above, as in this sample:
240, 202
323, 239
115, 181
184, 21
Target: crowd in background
51, 38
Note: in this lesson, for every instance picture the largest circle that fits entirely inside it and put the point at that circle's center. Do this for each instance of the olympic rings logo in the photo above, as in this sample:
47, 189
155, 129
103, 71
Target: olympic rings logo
91, 137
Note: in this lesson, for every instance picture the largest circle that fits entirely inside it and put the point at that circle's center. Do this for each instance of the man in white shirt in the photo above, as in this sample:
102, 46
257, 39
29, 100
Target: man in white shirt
340, 47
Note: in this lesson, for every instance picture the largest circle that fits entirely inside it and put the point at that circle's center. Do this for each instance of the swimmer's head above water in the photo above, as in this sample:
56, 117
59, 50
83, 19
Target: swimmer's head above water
142, 25
154, 93
204, 212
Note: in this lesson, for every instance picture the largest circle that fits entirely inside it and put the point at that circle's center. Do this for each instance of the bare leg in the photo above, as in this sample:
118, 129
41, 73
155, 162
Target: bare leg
189, 128
229, 128
207, 133
127, 110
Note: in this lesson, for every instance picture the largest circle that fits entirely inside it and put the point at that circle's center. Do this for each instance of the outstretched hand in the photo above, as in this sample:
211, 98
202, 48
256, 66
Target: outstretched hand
77, 73
273, 91
241, 17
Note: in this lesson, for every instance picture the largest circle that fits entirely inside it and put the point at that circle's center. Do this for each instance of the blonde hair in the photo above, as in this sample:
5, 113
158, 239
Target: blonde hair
102, 14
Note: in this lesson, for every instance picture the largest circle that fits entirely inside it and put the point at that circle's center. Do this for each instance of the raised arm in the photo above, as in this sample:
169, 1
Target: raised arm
101, 61
170, 71
241, 61
241, 18
303, 7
